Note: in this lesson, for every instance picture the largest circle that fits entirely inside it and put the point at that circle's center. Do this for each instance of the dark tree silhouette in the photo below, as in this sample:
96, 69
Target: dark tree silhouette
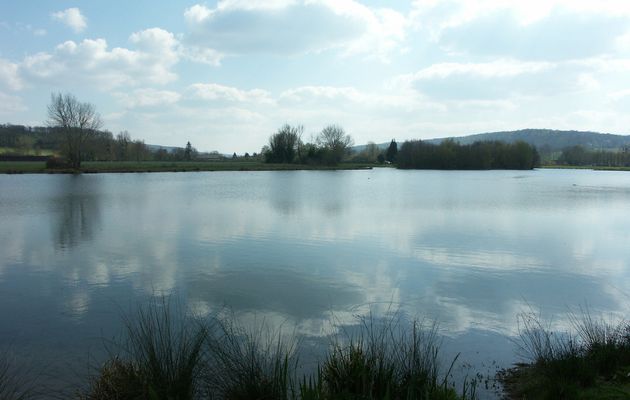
479, 155
188, 152
392, 151
284, 144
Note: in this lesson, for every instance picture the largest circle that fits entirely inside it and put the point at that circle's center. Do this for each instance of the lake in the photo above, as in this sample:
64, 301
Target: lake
311, 251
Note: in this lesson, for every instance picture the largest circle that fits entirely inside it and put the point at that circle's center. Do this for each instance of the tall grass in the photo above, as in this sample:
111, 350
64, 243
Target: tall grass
249, 363
167, 356
563, 365
14, 385
385, 359
160, 359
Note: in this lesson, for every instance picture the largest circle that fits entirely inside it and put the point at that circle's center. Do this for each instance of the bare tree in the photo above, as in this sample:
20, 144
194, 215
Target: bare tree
334, 139
76, 121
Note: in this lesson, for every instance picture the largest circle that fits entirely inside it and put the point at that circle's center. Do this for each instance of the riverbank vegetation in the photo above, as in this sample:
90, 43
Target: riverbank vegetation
166, 354
591, 362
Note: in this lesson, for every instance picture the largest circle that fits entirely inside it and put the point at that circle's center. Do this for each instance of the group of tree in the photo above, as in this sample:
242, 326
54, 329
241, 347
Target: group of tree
330, 146
479, 155
74, 132
580, 156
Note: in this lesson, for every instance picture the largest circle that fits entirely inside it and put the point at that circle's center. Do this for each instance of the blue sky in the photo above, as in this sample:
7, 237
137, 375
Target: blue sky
225, 75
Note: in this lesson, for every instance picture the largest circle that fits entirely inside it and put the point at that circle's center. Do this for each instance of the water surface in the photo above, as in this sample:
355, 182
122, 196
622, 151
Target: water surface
310, 250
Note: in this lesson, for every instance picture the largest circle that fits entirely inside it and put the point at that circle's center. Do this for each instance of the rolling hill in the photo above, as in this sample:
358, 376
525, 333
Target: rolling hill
546, 140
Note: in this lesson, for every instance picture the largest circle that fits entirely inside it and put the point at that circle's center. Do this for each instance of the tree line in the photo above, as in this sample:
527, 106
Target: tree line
99, 145
580, 156
74, 130
449, 154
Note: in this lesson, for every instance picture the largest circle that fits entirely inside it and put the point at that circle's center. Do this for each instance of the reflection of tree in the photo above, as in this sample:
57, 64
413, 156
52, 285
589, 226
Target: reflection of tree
319, 190
283, 191
78, 209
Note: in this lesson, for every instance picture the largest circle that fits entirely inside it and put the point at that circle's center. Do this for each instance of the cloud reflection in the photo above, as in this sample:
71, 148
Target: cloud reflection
317, 248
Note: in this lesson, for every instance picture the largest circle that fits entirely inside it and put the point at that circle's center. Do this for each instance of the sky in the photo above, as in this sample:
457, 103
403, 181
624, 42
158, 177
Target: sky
226, 74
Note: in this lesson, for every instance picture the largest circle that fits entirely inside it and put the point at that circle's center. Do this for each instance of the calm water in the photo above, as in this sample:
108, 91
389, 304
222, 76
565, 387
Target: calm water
470, 249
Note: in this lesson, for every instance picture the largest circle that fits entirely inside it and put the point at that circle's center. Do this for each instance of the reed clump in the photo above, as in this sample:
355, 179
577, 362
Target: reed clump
179, 358
592, 361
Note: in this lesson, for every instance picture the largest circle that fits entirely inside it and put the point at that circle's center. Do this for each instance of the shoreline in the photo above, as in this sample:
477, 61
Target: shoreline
593, 168
118, 167
98, 167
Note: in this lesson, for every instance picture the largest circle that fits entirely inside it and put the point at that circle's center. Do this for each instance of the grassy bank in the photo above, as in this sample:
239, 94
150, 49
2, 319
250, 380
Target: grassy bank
591, 362
11, 167
595, 168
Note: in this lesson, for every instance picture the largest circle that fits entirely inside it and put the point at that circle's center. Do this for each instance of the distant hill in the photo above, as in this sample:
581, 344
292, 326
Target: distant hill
170, 149
546, 140
551, 140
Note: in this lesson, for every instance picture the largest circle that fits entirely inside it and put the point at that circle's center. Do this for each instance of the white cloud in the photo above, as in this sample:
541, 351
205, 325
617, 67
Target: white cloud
440, 14
349, 97
9, 78
537, 29
148, 98
509, 80
291, 27
10, 104
498, 68
71, 17
202, 55
213, 91
91, 61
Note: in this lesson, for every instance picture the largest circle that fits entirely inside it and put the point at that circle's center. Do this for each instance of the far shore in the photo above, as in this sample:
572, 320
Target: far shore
595, 168
92, 167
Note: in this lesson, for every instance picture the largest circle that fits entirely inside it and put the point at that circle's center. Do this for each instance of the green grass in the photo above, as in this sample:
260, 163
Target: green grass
22, 167
595, 168
592, 362
168, 166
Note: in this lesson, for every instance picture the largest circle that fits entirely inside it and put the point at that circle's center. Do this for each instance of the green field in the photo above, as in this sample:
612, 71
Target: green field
596, 168
28, 152
168, 166
22, 167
